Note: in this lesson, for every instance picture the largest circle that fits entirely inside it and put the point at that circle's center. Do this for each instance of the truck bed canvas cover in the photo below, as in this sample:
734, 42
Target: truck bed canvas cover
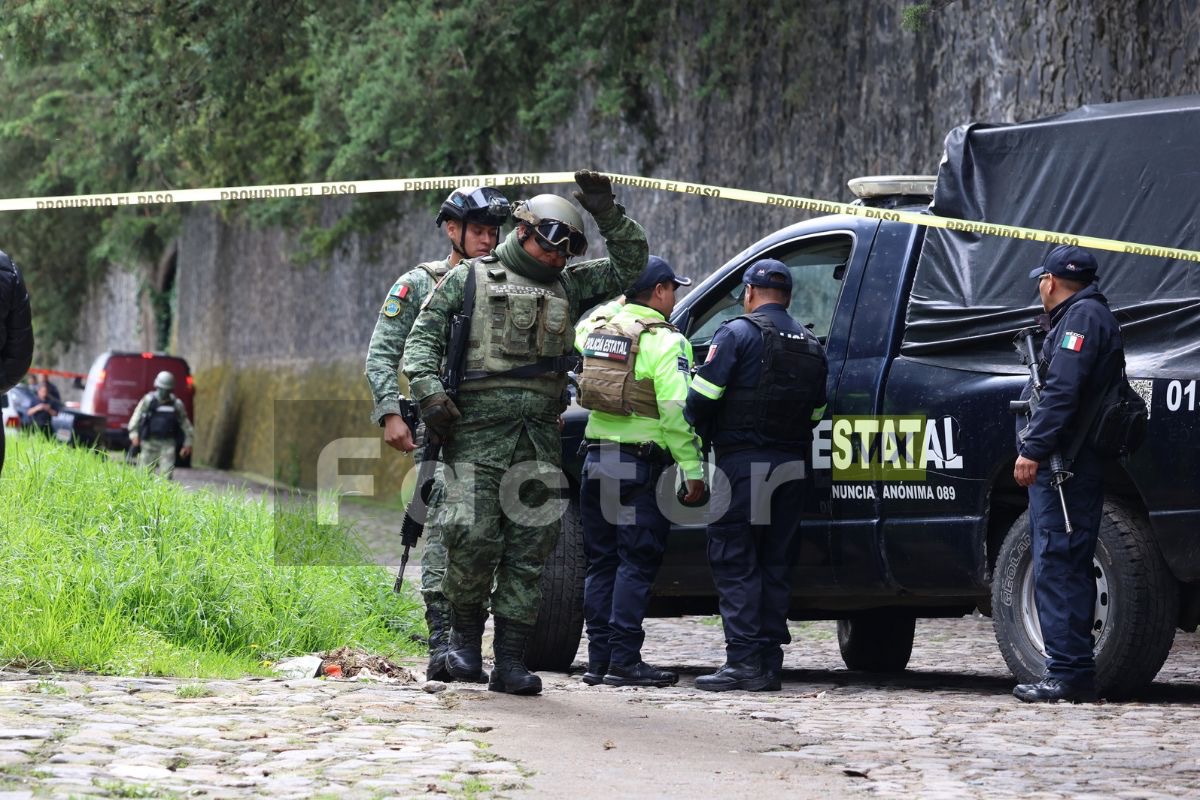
1127, 171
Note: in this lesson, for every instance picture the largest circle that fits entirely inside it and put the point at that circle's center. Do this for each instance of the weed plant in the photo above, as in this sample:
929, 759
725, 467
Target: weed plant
109, 569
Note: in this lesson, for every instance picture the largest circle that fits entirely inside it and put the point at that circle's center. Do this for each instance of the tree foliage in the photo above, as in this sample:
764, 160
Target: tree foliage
142, 95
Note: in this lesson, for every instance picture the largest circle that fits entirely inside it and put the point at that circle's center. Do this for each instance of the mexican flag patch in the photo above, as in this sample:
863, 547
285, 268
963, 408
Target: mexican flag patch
1072, 341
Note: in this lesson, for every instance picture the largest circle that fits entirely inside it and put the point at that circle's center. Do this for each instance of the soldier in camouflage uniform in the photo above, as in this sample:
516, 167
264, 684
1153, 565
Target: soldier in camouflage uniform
506, 413
159, 418
473, 217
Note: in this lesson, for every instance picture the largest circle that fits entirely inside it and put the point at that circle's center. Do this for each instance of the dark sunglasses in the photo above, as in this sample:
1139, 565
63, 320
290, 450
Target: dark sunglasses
559, 237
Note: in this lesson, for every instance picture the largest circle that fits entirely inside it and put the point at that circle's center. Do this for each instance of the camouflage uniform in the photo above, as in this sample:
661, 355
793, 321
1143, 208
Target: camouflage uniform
384, 356
506, 425
157, 453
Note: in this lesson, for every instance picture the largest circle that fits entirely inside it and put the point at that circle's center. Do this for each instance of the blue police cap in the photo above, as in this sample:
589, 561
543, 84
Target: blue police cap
769, 273
657, 271
1067, 261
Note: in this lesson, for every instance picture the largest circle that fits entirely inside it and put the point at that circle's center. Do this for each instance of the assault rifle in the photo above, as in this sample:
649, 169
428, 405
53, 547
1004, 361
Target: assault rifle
417, 511
1059, 475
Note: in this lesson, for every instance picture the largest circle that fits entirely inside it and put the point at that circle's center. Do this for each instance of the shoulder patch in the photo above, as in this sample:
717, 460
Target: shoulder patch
1072, 341
400, 290
391, 307
712, 353
681, 363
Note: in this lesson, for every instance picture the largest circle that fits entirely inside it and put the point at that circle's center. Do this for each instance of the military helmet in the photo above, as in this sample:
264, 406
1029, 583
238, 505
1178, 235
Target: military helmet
556, 223
481, 205
164, 380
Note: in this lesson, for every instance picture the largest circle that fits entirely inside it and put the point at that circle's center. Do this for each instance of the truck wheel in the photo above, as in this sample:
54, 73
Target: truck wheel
1137, 604
877, 641
559, 625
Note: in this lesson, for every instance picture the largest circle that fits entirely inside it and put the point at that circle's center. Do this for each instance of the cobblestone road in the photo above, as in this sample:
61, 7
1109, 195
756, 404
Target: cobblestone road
946, 728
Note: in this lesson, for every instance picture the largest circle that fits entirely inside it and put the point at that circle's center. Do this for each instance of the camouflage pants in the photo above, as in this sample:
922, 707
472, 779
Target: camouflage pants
484, 544
159, 456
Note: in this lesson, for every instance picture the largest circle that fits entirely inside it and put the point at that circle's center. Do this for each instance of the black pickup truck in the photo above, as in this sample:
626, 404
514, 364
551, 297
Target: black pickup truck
917, 323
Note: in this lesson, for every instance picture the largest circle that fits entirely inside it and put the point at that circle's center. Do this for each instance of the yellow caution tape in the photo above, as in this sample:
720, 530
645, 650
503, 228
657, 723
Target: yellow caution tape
683, 187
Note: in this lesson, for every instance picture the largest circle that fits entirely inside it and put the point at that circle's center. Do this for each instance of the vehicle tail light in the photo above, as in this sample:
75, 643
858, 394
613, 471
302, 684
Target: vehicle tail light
147, 355
191, 383
13, 422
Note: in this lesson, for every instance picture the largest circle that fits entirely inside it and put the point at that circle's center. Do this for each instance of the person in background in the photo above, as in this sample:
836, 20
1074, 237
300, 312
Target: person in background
157, 422
16, 331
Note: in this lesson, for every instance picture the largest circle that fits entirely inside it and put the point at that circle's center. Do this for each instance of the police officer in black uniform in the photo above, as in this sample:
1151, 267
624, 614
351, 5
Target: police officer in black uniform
756, 399
1081, 355
16, 331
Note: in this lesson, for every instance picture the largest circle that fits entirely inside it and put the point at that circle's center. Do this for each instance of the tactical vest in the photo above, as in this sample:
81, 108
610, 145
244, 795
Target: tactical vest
436, 269
607, 382
790, 384
160, 421
521, 334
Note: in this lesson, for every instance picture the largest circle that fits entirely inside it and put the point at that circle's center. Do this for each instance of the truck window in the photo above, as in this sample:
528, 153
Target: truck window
817, 265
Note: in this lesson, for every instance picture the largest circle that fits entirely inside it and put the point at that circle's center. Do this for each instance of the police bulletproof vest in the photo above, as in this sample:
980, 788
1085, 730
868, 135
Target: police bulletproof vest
521, 334
790, 384
161, 421
607, 382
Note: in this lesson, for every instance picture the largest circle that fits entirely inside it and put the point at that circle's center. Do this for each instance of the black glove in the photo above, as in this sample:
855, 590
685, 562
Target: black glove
596, 195
439, 414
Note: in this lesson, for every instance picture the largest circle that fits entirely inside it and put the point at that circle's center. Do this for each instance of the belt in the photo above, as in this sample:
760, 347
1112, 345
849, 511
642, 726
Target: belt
646, 451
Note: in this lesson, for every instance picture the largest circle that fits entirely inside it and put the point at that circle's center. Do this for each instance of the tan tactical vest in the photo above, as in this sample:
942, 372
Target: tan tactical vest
516, 322
609, 355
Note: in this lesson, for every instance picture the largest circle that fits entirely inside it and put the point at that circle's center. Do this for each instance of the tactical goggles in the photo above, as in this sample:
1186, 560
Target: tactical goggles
559, 237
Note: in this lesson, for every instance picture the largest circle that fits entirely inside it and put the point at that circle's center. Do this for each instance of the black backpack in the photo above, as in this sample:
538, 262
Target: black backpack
1119, 425
1114, 421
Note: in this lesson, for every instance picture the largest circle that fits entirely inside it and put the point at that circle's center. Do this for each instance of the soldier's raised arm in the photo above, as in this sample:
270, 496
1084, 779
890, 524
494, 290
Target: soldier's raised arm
604, 278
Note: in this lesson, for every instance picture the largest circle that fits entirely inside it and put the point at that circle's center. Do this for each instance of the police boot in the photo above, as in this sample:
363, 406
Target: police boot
749, 676
437, 617
464, 660
595, 672
639, 674
510, 675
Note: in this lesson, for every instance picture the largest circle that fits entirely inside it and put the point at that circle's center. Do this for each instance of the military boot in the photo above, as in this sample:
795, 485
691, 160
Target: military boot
464, 660
437, 617
510, 675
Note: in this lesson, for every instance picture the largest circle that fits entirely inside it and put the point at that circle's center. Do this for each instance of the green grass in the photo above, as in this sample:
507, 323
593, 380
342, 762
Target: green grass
190, 691
108, 569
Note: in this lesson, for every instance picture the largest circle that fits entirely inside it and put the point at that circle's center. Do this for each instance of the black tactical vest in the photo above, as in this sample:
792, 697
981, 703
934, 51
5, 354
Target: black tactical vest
161, 420
790, 384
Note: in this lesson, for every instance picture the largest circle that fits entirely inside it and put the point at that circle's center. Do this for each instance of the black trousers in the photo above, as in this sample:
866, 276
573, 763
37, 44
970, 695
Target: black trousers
624, 535
752, 548
1064, 582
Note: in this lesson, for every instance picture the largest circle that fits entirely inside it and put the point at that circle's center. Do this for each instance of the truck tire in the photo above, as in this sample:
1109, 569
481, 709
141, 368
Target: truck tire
555, 638
877, 641
1137, 604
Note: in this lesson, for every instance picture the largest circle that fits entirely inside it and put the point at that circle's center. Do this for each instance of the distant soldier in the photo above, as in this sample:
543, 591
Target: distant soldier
506, 412
16, 331
158, 422
635, 374
757, 397
473, 217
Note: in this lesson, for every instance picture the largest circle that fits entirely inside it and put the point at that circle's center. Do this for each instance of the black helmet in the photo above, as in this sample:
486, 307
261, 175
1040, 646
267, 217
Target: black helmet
481, 205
